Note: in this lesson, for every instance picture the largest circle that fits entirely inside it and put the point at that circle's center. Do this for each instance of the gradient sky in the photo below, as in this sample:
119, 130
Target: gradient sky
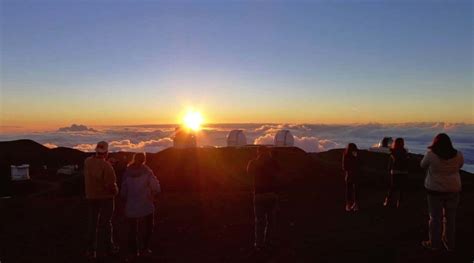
136, 62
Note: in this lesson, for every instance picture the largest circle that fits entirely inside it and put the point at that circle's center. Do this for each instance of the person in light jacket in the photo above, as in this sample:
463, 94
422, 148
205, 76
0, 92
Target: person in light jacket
443, 184
139, 187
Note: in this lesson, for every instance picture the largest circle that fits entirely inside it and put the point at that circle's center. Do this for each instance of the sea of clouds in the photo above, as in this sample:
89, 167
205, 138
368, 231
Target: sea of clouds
309, 137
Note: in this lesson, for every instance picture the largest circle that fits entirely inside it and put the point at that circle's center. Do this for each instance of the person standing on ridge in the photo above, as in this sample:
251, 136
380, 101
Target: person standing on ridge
100, 189
264, 171
351, 164
139, 188
443, 185
398, 169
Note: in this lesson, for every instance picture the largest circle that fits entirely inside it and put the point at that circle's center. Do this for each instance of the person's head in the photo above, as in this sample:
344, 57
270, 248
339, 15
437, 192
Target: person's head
398, 144
138, 159
102, 149
351, 148
263, 151
443, 147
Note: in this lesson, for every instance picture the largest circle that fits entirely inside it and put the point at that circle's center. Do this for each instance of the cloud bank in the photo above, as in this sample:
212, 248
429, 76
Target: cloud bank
309, 137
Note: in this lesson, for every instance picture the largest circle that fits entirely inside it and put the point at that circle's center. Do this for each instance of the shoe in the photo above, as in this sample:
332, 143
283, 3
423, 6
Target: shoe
398, 204
427, 244
146, 252
445, 244
91, 255
113, 250
386, 202
355, 207
348, 207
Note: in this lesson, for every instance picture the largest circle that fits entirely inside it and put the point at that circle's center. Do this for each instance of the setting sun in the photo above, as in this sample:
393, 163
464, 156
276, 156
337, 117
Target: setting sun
193, 120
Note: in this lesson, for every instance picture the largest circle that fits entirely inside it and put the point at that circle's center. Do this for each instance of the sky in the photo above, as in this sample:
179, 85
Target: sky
145, 62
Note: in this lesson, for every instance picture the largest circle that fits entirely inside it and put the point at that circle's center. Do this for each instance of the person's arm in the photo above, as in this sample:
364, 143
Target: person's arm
344, 162
110, 179
425, 162
154, 183
124, 188
390, 163
461, 161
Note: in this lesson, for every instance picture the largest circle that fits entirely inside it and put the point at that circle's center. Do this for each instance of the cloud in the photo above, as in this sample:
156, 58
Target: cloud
76, 128
309, 137
50, 145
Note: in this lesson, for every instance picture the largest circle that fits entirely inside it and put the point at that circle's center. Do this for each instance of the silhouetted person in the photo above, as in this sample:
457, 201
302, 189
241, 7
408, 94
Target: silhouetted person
264, 170
352, 165
100, 189
398, 170
443, 184
139, 187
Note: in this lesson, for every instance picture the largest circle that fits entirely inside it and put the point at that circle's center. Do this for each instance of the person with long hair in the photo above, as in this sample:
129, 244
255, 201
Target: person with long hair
139, 187
398, 169
351, 164
443, 185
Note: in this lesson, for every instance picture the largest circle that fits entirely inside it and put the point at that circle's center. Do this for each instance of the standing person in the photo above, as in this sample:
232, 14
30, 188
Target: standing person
443, 184
100, 189
139, 186
264, 170
351, 164
398, 169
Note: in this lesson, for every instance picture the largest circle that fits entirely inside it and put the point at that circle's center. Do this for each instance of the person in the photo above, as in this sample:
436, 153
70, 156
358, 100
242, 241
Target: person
351, 164
443, 185
264, 170
398, 169
100, 190
139, 186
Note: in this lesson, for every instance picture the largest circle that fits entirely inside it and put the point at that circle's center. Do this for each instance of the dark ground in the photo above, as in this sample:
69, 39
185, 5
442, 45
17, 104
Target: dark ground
209, 217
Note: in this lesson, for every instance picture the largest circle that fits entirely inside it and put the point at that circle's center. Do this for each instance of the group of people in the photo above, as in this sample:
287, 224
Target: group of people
442, 163
139, 187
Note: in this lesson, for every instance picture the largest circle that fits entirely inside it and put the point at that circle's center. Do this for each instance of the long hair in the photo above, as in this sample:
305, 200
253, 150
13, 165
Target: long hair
138, 160
398, 145
351, 147
443, 147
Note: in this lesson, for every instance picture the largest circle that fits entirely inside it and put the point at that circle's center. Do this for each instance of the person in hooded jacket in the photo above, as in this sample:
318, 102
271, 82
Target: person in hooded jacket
443, 185
398, 169
139, 187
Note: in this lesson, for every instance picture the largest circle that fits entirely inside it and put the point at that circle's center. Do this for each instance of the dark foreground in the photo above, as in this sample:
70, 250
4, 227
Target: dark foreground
215, 224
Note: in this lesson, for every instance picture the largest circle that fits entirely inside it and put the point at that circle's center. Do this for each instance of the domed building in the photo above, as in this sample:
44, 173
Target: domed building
184, 138
236, 138
284, 138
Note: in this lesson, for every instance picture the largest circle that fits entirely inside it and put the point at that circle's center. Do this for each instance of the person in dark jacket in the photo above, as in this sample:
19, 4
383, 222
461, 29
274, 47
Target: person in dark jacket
398, 169
264, 170
351, 164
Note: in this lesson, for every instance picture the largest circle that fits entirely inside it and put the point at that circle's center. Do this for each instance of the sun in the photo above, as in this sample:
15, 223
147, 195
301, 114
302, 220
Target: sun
193, 120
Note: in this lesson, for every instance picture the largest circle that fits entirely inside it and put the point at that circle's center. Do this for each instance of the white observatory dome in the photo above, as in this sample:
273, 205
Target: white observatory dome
236, 138
284, 138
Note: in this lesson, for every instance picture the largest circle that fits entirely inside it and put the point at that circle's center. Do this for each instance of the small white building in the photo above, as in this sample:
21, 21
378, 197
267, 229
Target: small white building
67, 170
20, 172
184, 138
236, 138
284, 138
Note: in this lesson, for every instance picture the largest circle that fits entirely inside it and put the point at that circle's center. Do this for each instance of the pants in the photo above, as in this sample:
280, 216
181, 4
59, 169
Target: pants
442, 206
351, 190
133, 240
265, 205
100, 220
397, 184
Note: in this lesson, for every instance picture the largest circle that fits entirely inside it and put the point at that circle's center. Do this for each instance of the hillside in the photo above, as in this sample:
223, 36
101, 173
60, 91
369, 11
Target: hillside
205, 211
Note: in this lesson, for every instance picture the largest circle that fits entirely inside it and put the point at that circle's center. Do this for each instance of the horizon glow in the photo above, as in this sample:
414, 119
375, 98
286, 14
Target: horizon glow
143, 62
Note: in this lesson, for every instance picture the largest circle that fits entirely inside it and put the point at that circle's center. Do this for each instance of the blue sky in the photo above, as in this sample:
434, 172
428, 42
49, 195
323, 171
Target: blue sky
312, 62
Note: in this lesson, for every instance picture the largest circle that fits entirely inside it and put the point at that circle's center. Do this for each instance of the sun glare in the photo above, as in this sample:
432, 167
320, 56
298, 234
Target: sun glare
193, 120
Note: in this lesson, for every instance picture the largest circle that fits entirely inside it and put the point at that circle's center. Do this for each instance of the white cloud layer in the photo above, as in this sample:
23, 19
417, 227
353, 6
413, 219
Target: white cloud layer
309, 137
